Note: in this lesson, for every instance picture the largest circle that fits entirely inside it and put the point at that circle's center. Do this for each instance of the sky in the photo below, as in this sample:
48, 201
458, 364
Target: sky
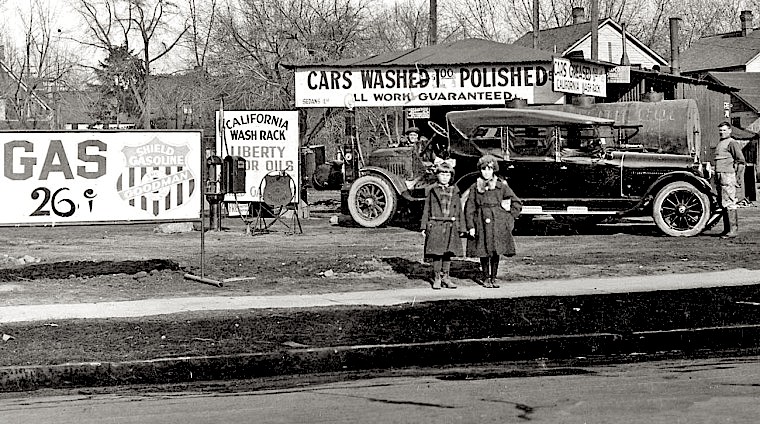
67, 26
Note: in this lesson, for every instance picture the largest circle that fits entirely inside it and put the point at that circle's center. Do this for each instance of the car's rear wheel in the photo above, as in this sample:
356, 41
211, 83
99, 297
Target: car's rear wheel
372, 201
681, 210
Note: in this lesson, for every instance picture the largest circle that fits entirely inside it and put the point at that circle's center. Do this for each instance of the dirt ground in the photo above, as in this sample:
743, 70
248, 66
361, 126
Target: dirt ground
123, 262
104, 263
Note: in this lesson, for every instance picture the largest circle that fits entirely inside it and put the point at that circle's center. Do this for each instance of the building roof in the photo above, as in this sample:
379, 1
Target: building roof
469, 51
5, 69
567, 37
561, 37
748, 84
75, 106
721, 51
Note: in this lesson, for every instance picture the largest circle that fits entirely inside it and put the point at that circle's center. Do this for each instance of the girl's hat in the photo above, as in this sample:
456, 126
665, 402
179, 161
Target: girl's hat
412, 129
488, 160
444, 167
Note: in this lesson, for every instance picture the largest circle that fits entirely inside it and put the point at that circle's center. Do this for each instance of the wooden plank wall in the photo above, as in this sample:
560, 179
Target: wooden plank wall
711, 113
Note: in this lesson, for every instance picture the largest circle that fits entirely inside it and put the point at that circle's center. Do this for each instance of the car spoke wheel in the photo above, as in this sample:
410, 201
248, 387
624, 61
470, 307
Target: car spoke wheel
681, 210
372, 201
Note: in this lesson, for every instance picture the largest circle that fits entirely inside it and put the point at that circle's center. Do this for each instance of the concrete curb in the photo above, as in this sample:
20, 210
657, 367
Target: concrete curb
364, 357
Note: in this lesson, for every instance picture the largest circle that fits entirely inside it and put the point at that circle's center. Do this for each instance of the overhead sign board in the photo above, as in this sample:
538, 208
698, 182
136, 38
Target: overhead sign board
619, 75
418, 112
579, 78
266, 140
80, 177
422, 86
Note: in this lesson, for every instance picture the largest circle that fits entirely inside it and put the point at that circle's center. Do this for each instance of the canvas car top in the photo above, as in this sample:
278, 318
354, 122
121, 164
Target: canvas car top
466, 122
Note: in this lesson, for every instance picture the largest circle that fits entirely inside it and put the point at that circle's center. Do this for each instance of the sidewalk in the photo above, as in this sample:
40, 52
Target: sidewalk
137, 308
281, 362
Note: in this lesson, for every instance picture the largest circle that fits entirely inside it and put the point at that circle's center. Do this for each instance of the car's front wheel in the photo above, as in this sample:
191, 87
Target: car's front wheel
372, 201
681, 210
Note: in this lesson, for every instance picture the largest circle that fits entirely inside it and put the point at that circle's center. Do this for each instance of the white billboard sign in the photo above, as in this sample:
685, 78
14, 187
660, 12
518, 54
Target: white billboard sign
422, 112
619, 75
579, 78
421, 85
267, 140
100, 176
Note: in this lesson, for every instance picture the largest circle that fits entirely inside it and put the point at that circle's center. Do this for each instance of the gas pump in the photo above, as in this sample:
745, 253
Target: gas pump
350, 149
233, 174
213, 192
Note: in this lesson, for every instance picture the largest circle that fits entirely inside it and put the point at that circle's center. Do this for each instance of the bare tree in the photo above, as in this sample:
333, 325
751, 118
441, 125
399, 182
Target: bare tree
36, 70
258, 39
121, 23
203, 17
402, 25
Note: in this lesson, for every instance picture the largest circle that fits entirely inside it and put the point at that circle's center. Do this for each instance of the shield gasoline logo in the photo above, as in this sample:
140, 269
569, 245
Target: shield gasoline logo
156, 177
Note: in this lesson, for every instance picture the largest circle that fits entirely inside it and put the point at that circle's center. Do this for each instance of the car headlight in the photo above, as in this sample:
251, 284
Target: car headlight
705, 169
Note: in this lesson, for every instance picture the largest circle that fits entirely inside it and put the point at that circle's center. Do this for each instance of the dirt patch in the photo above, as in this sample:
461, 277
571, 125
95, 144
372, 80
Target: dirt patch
73, 269
129, 262
222, 333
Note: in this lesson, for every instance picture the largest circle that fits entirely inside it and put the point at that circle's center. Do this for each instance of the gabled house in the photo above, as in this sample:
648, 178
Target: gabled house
745, 104
577, 38
736, 51
20, 106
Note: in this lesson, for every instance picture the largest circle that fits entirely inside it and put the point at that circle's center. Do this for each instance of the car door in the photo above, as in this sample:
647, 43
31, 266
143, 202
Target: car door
532, 167
587, 169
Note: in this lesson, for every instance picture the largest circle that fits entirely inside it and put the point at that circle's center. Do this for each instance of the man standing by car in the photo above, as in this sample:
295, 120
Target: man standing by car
729, 162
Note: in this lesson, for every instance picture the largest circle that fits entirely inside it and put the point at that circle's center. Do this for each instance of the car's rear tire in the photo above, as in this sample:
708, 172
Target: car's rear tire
681, 210
372, 201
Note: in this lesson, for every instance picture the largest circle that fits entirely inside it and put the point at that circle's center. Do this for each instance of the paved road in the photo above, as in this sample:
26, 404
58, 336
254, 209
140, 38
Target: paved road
704, 391
736, 277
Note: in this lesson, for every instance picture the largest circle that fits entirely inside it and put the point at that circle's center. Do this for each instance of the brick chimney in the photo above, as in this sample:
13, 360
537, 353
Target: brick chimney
746, 18
675, 44
579, 15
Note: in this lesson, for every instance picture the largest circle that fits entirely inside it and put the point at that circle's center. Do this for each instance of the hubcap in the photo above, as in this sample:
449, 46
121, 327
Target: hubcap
682, 210
371, 201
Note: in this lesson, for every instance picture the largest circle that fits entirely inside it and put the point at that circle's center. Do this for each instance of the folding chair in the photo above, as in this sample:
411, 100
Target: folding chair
278, 197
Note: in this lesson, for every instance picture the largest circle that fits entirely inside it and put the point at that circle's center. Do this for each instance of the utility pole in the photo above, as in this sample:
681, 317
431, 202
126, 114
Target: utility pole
594, 29
433, 35
535, 24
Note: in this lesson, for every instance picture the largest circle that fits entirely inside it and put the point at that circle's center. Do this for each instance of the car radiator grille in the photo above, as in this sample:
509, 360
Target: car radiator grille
397, 168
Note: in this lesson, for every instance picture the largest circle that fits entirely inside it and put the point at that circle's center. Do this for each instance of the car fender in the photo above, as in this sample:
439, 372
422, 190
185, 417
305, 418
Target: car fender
699, 182
465, 181
398, 184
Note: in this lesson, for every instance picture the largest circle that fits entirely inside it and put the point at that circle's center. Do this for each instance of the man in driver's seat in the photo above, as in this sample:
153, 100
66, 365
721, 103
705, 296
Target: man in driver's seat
424, 158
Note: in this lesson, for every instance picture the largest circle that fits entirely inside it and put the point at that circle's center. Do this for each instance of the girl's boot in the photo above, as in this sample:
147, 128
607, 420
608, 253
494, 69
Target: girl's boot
446, 281
436, 281
446, 278
485, 272
494, 271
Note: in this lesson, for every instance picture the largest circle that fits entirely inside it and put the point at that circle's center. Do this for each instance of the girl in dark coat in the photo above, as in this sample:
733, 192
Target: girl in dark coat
442, 223
490, 214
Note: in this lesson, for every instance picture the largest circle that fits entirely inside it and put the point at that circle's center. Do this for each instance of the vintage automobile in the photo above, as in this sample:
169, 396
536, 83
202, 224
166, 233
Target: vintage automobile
575, 168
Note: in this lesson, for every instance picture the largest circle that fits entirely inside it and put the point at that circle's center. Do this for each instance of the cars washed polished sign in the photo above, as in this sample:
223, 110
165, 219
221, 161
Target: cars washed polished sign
76, 177
423, 86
